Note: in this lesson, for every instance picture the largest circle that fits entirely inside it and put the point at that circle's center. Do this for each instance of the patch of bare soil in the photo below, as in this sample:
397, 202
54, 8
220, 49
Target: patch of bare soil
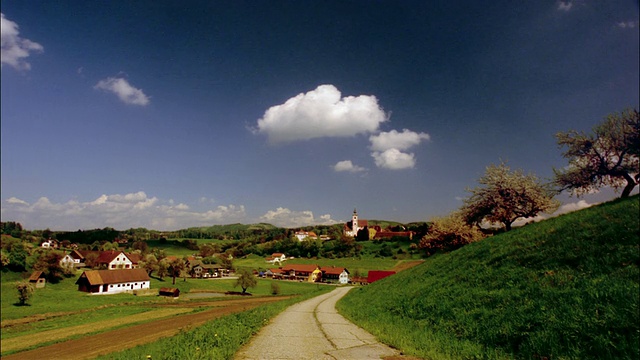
111, 341
406, 265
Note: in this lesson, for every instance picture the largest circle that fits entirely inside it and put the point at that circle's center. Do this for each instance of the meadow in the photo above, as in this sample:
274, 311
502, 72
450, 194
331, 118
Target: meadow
564, 288
61, 312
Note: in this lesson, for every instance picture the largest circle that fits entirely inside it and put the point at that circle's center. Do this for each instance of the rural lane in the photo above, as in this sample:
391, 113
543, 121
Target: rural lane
313, 329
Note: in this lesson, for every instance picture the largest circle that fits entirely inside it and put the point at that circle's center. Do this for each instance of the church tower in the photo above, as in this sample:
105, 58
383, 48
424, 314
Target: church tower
354, 222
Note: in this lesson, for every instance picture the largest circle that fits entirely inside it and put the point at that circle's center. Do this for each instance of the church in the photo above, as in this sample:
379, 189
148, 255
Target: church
352, 227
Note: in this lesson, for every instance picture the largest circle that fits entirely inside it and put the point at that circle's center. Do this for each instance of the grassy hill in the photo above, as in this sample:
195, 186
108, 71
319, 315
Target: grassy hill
565, 288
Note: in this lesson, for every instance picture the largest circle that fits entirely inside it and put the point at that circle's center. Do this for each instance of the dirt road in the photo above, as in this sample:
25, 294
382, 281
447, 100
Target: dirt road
313, 329
111, 341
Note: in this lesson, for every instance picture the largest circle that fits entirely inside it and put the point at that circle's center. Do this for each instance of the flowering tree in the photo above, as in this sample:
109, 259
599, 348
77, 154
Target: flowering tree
607, 157
507, 196
449, 233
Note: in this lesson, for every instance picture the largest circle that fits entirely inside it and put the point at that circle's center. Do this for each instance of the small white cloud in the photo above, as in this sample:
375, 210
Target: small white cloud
388, 148
347, 165
628, 24
118, 211
14, 48
284, 217
565, 5
396, 140
14, 200
564, 209
322, 112
394, 159
125, 92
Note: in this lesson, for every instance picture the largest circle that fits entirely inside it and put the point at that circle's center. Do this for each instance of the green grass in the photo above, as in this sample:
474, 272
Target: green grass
565, 288
216, 340
361, 264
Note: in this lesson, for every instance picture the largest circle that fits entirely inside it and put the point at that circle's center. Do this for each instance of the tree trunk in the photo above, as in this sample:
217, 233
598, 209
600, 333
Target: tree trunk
631, 184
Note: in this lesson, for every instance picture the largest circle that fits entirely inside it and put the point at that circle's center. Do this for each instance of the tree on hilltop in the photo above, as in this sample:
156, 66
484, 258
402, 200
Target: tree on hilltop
606, 157
507, 196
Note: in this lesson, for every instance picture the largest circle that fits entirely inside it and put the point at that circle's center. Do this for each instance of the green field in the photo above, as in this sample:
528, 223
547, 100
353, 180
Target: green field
361, 265
565, 288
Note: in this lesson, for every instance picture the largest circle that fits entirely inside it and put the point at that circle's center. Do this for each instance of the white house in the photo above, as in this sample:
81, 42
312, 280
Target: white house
276, 258
67, 261
335, 273
306, 235
113, 281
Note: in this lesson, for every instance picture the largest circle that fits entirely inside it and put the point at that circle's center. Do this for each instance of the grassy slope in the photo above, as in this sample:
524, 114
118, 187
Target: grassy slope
565, 288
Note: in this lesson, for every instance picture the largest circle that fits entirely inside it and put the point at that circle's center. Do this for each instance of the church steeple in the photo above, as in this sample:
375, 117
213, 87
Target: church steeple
354, 221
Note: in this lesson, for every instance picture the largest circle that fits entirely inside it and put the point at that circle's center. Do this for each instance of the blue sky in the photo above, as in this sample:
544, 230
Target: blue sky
163, 115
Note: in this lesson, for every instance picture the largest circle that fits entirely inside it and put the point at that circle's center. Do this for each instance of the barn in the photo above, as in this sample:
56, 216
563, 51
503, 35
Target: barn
113, 281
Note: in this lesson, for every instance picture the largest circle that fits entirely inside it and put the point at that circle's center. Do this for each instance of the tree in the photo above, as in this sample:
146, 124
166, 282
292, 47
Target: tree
607, 157
245, 280
162, 269
449, 233
25, 290
49, 263
176, 267
507, 196
150, 264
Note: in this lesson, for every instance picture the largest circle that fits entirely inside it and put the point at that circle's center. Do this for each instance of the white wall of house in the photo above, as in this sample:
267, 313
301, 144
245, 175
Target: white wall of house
343, 278
122, 287
67, 260
120, 262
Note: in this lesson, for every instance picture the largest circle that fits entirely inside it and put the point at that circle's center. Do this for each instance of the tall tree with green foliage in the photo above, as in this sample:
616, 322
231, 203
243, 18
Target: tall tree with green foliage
176, 267
506, 196
245, 280
25, 290
606, 157
49, 263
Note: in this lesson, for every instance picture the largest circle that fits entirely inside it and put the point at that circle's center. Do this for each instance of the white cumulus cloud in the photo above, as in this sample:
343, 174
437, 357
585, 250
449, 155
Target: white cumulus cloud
125, 92
322, 112
14, 48
388, 148
396, 140
284, 217
118, 211
394, 159
347, 166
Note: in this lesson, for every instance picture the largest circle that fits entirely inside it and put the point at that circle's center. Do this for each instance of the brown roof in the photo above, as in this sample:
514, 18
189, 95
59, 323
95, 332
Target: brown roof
332, 270
36, 275
135, 258
300, 268
100, 277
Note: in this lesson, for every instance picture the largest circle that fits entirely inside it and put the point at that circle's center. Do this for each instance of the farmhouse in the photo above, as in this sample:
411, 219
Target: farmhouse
306, 235
113, 281
310, 273
276, 258
202, 270
341, 275
110, 260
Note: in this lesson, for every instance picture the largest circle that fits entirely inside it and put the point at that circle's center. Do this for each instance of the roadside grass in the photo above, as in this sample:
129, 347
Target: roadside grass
216, 340
564, 288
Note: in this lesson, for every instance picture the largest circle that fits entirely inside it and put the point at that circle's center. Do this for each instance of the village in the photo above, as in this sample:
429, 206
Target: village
106, 272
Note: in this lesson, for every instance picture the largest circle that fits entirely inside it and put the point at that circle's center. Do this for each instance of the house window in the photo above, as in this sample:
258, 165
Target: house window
126, 266
113, 266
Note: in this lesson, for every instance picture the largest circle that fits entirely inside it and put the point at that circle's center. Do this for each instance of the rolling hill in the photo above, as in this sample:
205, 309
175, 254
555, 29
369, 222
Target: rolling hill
564, 288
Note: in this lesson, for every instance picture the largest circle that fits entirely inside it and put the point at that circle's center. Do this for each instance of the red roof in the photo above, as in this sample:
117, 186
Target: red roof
375, 275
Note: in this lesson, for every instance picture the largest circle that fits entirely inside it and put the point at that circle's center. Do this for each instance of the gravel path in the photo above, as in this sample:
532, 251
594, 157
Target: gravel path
313, 329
